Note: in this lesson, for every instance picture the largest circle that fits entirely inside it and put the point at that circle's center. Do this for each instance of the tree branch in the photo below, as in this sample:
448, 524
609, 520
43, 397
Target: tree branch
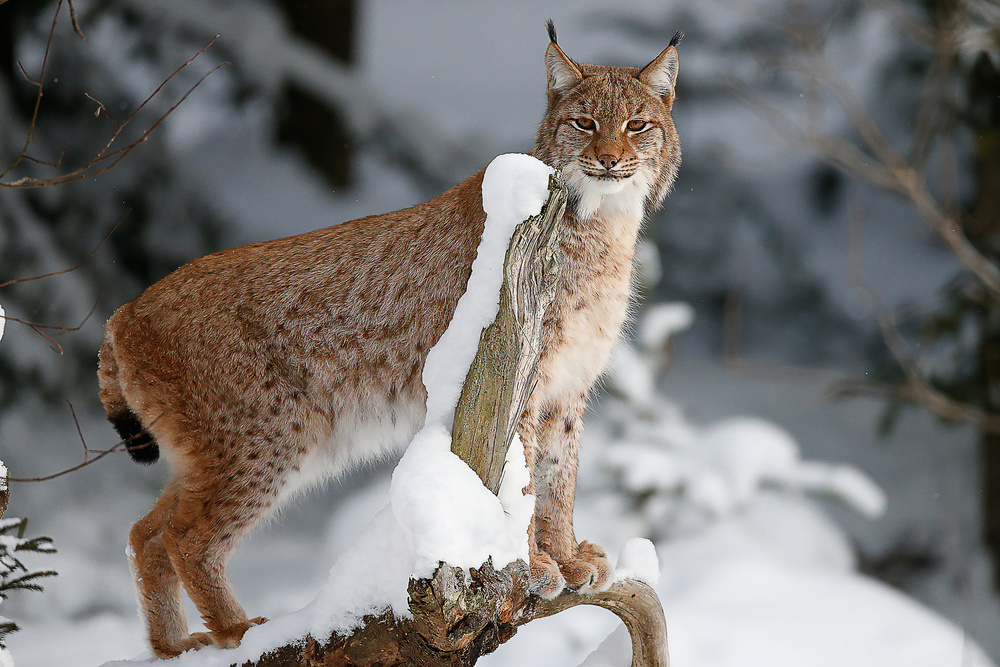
105, 158
502, 375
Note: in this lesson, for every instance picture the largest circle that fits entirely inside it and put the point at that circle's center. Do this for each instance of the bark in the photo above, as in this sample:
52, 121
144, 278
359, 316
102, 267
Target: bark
984, 225
457, 617
308, 123
502, 375
4, 493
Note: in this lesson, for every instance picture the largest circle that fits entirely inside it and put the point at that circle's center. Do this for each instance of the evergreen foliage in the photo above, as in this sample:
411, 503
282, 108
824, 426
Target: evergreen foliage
14, 574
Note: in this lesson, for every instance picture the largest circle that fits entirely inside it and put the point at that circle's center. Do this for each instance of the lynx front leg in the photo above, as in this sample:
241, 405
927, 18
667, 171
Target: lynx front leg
546, 579
585, 566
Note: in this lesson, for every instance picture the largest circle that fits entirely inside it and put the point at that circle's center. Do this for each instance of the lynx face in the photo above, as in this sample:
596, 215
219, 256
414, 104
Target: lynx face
610, 130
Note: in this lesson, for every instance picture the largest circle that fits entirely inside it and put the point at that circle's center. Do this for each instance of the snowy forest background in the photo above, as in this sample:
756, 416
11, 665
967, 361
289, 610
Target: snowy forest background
782, 449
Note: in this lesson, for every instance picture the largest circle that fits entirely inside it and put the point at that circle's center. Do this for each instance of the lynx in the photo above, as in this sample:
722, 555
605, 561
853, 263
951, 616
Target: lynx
260, 370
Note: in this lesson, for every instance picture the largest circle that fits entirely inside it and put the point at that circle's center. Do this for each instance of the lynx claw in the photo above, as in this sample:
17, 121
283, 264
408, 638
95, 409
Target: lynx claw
192, 641
547, 581
232, 636
590, 571
605, 570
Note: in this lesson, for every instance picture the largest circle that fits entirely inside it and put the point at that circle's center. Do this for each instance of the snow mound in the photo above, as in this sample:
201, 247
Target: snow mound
662, 322
784, 617
638, 561
456, 519
693, 474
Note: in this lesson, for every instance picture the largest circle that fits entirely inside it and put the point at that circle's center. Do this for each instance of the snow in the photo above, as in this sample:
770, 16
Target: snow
753, 612
638, 561
780, 617
768, 581
3, 321
456, 519
663, 321
722, 467
515, 186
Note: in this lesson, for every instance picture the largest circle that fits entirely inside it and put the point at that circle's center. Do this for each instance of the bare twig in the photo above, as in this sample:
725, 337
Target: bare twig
120, 446
882, 165
76, 24
40, 84
100, 107
76, 266
879, 163
917, 388
40, 328
106, 158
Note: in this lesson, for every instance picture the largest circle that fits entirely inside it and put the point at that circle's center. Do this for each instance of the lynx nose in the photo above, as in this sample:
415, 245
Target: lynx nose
608, 161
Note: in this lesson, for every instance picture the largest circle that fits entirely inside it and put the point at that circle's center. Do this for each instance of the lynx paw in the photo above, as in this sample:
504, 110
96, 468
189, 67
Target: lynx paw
546, 580
590, 571
174, 649
232, 636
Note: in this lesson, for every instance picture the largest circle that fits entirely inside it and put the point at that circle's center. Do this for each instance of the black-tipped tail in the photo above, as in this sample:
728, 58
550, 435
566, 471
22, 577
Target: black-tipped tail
138, 441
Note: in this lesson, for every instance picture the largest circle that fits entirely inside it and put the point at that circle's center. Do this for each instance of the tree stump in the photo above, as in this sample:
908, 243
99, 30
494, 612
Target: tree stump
457, 616
4, 491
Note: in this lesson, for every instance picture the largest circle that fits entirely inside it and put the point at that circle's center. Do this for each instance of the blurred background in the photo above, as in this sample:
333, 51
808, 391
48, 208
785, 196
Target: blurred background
811, 385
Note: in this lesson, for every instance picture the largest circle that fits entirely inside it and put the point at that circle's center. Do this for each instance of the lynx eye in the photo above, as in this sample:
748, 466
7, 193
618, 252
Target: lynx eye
584, 124
637, 125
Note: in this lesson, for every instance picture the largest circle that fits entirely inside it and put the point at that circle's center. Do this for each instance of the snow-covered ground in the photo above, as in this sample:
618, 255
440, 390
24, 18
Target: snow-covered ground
753, 571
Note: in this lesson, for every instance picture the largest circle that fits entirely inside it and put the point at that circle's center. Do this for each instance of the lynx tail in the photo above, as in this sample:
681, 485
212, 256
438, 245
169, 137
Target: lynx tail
139, 442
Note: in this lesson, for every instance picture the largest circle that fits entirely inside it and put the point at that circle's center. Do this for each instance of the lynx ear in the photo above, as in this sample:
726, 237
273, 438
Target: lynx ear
661, 74
562, 72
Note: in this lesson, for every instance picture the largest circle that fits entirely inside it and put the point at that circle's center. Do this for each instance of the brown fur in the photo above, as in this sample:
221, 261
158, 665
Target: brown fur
261, 369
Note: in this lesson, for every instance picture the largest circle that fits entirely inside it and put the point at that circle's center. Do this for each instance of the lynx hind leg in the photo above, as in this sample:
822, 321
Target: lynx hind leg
215, 498
585, 566
157, 584
211, 517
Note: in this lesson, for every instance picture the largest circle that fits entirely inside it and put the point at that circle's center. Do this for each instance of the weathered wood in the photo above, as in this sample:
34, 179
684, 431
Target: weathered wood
502, 375
639, 608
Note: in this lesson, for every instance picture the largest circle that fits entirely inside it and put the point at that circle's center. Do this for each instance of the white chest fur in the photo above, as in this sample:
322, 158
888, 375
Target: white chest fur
591, 303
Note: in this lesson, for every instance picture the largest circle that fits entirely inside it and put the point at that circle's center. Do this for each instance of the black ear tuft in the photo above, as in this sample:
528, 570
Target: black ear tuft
552, 31
674, 41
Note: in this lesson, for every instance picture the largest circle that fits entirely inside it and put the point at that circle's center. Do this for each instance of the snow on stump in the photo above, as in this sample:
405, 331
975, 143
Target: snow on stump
459, 614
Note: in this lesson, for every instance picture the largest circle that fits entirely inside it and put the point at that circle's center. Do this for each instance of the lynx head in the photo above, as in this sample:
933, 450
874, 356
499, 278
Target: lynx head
610, 131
